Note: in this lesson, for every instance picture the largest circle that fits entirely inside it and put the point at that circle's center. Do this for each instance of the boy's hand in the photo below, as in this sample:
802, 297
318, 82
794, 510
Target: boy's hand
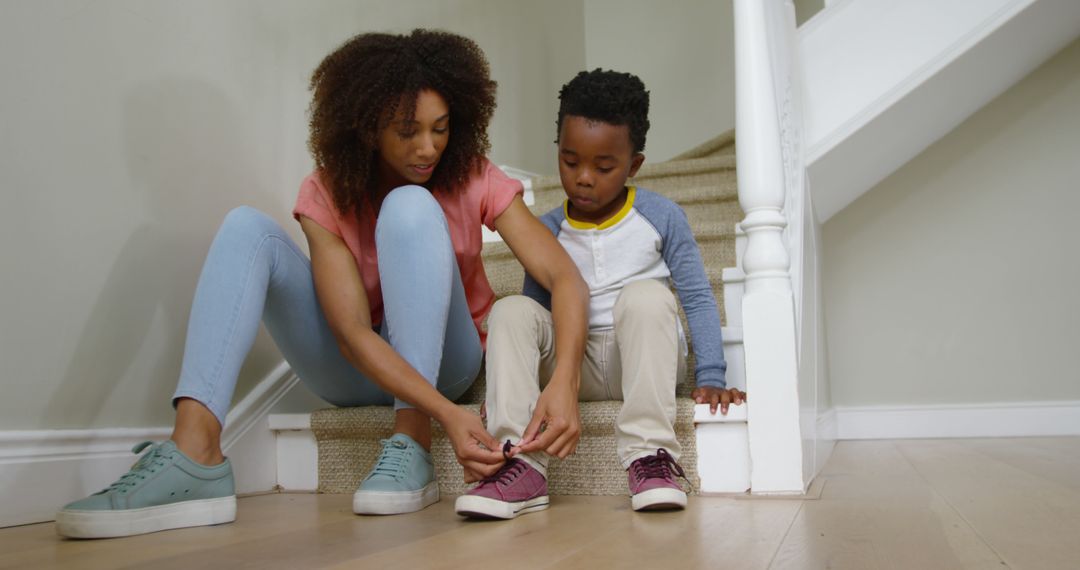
715, 396
555, 425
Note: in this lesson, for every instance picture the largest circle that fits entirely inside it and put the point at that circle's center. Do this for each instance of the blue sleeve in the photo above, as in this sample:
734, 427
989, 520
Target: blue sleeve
680, 252
530, 288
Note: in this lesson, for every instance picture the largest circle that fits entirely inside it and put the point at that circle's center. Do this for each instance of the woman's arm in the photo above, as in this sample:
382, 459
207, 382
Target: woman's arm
555, 425
344, 302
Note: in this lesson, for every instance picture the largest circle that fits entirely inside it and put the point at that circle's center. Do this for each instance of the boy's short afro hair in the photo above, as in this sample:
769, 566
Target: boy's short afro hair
610, 97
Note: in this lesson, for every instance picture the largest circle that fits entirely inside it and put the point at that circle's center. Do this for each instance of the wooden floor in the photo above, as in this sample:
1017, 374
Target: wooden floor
987, 503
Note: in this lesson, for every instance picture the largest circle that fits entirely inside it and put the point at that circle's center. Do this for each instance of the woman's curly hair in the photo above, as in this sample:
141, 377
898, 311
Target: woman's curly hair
359, 88
610, 97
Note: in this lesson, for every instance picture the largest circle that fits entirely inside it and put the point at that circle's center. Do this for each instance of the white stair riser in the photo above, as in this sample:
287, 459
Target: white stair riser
297, 460
723, 457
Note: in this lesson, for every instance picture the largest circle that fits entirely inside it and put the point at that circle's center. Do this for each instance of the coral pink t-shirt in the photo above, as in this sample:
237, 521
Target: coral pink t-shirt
483, 199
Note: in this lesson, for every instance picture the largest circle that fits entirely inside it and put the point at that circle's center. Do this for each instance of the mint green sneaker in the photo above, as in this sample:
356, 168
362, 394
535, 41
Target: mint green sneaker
163, 490
402, 481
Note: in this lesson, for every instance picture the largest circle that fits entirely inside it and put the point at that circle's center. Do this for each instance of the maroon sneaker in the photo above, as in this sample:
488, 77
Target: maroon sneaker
515, 489
652, 483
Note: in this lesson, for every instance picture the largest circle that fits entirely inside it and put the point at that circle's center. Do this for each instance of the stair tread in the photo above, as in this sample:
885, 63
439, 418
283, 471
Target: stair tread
721, 144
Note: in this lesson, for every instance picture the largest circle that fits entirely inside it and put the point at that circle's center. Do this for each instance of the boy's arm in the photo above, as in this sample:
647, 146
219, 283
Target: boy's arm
683, 258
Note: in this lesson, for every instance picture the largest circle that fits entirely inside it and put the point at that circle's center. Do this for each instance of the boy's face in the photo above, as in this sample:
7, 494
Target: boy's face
595, 159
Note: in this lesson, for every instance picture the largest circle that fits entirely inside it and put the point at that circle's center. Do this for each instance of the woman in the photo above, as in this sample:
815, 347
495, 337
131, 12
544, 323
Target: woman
388, 309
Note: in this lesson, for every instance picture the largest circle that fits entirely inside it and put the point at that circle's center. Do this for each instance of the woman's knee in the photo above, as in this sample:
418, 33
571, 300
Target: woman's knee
410, 210
245, 220
461, 376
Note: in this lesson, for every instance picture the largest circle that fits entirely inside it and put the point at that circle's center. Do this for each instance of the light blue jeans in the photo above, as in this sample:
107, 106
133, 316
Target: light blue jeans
254, 272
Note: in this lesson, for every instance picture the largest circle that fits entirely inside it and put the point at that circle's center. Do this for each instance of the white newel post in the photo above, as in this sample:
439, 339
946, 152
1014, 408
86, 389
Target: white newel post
769, 338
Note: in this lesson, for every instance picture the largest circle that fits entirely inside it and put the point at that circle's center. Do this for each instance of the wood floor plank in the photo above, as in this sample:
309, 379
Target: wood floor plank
324, 542
877, 512
537, 540
716, 533
1053, 458
1030, 520
282, 531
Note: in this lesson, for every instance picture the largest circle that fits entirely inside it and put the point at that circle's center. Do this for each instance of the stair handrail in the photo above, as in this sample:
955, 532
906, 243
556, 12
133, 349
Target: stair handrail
770, 182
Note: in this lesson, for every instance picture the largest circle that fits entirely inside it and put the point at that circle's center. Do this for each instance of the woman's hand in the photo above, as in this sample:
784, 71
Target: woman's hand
478, 453
715, 396
555, 425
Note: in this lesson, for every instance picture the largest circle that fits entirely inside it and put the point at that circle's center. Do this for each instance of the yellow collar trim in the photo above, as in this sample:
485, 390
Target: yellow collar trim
579, 225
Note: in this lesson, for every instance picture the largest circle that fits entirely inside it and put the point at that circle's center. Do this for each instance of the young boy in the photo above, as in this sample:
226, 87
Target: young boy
628, 243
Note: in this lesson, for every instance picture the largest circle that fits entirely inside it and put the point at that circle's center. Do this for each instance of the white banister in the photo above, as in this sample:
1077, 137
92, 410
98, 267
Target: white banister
769, 325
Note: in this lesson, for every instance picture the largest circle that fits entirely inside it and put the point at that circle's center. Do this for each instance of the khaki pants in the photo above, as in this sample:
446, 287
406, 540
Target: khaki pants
638, 362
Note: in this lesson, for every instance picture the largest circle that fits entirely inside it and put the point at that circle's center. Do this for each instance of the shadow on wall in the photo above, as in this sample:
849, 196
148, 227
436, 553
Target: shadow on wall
191, 158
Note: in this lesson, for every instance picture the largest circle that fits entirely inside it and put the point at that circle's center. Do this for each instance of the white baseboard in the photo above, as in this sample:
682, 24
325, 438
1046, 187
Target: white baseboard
1005, 419
41, 470
827, 427
255, 407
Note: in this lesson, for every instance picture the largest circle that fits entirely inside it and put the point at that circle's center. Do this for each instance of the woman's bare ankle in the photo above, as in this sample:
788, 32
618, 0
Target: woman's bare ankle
203, 454
197, 433
414, 424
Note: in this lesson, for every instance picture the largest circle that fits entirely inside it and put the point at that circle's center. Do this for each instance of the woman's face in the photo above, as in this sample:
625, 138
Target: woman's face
409, 150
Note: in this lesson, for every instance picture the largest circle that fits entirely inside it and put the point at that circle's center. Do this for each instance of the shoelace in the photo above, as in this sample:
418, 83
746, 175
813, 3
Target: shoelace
148, 464
660, 466
392, 459
509, 471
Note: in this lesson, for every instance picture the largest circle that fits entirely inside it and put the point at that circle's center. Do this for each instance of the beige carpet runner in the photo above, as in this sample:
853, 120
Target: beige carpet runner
702, 181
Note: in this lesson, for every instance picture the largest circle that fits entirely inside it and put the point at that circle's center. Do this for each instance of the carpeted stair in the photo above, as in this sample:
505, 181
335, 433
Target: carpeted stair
702, 181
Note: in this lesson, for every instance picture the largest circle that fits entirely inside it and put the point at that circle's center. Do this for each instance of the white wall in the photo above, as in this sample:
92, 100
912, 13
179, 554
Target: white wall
684, 52
954, 280
129, 128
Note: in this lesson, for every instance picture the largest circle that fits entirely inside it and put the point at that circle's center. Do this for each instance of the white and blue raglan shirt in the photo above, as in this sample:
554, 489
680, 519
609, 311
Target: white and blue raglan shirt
649, 238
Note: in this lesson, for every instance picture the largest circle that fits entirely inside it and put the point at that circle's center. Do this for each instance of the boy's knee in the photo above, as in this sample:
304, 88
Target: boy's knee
647, 297
512, 312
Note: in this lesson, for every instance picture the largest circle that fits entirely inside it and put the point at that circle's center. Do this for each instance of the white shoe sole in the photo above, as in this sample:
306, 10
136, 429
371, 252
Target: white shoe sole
483, 507
110, 524
659, 499
395, 503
